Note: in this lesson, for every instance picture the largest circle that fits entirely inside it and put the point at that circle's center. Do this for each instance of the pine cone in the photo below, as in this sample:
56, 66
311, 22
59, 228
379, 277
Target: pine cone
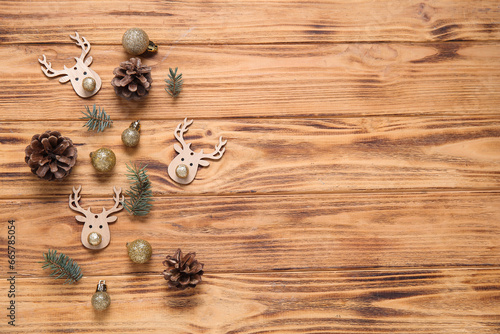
50, 155
182, 271
132, 80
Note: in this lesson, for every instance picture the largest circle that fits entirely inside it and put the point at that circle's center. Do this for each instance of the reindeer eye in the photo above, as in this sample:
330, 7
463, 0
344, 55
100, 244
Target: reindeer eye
100, 226
90, 226
182, 159
190, 164
96, 216
192, 153
74, 68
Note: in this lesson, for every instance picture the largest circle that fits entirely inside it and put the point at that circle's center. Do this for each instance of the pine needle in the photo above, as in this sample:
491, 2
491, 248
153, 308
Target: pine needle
174, 83
62, 266
97, 119
140, 194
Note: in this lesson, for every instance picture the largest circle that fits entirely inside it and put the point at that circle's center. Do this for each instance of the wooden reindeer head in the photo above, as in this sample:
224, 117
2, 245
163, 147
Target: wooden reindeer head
185, 165
95, 233
85, 81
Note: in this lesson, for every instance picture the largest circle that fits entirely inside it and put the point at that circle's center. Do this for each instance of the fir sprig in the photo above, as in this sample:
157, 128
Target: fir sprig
62, 266
140, 194
174, 83
97, 119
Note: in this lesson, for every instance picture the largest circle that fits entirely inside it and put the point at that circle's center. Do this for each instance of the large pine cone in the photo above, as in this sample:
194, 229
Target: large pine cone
183, 271
132, 80
50, 155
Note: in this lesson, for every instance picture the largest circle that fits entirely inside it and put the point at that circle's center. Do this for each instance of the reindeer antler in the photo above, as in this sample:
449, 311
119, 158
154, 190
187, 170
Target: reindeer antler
48, 70
217, 153
180, 131
74, 202
83, 43
118, 202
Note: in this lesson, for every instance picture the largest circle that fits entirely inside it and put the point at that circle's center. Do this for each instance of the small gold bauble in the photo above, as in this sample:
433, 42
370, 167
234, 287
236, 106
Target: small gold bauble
94, 239
88, 84
103, 159
139, 251
131, 135
182, 171
135, 41
100, 299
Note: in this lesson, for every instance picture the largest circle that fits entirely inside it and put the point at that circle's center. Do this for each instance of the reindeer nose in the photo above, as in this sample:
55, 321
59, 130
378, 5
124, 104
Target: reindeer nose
182, 171
94, 239
88, 84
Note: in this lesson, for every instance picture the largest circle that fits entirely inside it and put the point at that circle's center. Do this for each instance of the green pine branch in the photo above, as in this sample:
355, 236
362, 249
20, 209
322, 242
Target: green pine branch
97, 119
140, 194
62, 266
174, 83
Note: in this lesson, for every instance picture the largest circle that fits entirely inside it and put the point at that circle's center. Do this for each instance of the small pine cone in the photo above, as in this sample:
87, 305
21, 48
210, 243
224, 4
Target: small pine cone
50, 155
132, 80
183, 271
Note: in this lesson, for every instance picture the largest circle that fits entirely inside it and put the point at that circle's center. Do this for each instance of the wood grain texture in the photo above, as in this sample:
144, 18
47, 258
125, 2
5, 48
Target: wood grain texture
276, 156
272, 233
360, 189
251, 22
410, 301
268, 81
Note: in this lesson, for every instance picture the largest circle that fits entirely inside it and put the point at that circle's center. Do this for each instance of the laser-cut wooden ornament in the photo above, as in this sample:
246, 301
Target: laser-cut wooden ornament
85, 81
184, 166
95, 232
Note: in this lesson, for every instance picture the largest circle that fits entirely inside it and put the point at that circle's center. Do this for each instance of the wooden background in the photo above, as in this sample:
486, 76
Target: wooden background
360, 190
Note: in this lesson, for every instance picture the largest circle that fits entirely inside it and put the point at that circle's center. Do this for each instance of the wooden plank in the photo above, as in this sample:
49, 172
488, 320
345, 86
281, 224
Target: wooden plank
276, 156
251, 22
412, 301
268, 81
271, 233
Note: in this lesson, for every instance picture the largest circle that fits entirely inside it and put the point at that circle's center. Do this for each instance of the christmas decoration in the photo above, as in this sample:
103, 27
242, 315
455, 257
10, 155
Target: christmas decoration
100, 299
140, 194
131, 135
136, 42
184, 166
84, 80
174, 83
183, 271
103, 159
139, 251
62, 266
50, 155
132, 81
97, 119
95, 232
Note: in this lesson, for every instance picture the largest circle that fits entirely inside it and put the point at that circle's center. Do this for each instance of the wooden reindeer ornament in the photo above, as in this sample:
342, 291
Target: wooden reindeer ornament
184, 166
84, 80
95, 233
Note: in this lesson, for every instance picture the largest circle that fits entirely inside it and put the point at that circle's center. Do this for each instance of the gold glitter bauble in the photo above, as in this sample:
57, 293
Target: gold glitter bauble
103, 159
135, 41
94, 239
139, 251
131, 135
88, 84
182, 171
100, 299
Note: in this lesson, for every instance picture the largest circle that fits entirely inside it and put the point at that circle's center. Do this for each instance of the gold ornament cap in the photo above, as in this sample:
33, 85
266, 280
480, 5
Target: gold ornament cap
136, 125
